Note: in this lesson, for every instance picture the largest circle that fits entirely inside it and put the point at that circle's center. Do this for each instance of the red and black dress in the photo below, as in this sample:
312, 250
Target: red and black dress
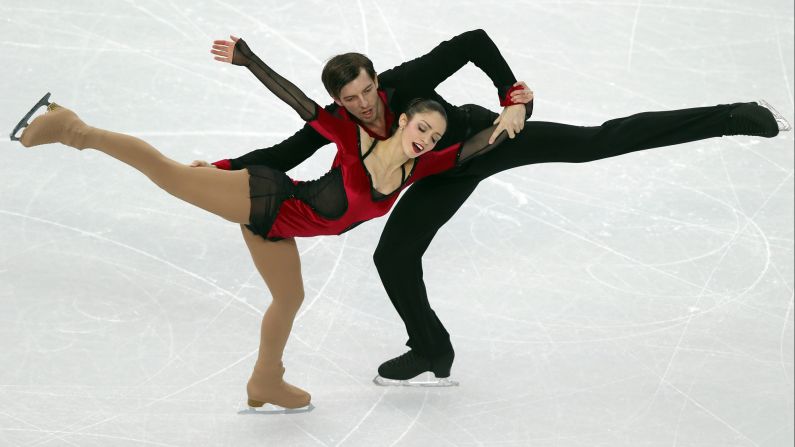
344, 197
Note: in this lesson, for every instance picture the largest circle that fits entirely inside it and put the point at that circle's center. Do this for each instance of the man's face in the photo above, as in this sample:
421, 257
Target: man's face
360, 99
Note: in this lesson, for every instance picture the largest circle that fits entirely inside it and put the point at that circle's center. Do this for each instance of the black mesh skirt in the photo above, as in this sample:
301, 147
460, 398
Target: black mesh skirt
268, 188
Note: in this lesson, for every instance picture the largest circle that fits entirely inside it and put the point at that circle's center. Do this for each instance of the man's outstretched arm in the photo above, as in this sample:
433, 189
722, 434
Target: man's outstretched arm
428, 71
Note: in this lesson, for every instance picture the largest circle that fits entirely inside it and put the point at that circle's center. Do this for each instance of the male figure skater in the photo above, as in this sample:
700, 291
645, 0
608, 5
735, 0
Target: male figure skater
374, 101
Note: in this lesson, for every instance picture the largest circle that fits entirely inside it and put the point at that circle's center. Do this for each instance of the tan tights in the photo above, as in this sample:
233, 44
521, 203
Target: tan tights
226, 194
223, 193
280, 267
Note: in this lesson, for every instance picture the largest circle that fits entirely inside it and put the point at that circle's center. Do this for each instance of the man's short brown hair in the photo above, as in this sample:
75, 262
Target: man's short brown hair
344, 68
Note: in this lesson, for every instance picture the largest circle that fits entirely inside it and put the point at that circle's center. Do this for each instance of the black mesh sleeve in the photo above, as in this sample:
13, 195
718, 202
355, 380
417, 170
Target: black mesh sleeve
280, 87
478, 144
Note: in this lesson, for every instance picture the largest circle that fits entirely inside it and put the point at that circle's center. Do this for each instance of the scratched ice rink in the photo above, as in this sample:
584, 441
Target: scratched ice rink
645, 300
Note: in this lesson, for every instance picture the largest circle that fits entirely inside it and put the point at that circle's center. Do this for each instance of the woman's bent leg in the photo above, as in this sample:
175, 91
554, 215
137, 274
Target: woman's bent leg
280, 267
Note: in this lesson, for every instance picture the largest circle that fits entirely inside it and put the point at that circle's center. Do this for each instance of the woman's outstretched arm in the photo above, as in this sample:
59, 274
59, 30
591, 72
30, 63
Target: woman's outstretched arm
484, 141
237, 52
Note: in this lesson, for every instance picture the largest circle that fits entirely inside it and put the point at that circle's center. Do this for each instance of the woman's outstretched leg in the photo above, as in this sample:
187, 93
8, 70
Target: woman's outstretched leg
224, 193
280, 267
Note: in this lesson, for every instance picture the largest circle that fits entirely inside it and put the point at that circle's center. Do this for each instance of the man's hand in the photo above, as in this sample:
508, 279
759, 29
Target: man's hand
202, 164
224, 50
512, 117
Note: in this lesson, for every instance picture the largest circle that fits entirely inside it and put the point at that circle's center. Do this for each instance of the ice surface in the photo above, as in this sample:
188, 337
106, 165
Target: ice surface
645, 300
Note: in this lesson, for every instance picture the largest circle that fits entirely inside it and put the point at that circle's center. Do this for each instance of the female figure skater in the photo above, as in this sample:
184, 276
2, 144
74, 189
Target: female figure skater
366, 176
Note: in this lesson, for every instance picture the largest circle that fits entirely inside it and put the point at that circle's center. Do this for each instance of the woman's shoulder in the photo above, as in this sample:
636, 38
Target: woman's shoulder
438, 160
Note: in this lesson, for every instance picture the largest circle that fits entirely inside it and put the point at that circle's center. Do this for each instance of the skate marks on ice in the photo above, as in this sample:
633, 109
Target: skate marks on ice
422, 380
271, 410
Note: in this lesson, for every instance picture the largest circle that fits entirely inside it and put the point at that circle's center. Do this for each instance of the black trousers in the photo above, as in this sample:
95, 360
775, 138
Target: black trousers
431, 202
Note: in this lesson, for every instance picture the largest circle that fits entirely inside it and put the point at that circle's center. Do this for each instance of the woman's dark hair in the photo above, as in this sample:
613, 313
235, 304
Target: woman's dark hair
344, 68
420, 105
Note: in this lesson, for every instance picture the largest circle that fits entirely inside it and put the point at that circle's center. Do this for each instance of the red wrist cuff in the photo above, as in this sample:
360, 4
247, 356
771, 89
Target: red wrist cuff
506, 101
226, 165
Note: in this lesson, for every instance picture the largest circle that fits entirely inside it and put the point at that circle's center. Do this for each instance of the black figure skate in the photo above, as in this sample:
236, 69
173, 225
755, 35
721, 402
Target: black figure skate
783, 124
758, 119
405, 370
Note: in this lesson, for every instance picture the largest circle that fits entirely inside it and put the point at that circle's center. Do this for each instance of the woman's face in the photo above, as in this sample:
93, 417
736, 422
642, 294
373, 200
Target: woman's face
421, 132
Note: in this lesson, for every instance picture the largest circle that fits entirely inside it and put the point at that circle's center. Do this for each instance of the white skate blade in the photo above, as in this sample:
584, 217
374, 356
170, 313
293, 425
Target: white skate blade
433, 381
269, 409
783, 124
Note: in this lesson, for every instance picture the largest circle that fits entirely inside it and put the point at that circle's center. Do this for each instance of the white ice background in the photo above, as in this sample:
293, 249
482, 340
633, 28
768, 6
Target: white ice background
645, 300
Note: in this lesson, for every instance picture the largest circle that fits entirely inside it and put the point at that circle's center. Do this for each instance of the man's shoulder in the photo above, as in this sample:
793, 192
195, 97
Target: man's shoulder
333, 109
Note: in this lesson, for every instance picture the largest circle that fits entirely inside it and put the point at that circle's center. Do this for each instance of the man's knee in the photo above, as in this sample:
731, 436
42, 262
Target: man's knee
392, 255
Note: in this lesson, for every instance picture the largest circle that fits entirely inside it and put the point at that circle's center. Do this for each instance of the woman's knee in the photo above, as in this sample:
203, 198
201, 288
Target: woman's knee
291, 301
288, 293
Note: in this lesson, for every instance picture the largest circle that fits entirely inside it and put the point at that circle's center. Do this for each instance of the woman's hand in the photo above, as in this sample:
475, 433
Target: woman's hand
522, 96
224, 50
202, 164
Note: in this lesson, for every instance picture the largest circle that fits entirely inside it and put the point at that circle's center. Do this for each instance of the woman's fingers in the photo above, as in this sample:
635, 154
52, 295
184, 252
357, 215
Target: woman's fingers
523, 95
226, 46
223, 49
223, 54
522, 98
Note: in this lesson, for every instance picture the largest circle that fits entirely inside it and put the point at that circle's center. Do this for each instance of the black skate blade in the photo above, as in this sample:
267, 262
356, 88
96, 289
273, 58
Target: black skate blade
783, 124
23, 123
269, 409
416, 382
